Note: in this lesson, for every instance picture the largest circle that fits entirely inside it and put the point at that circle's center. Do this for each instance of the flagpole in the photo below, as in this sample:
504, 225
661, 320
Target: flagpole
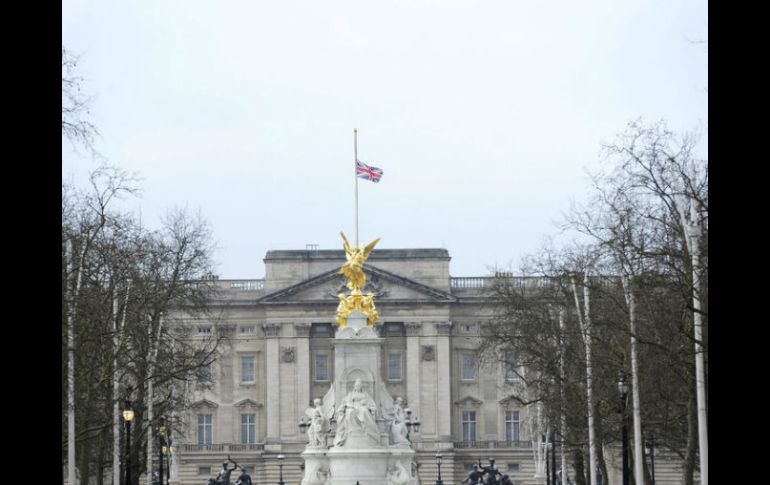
355, 174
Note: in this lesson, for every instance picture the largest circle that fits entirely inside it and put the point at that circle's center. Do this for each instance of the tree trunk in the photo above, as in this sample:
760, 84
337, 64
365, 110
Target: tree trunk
71, 309
580, 476
602, 464
692, 439
638, 454
585, 324
152, 355
85, 462
700, 378
101, 451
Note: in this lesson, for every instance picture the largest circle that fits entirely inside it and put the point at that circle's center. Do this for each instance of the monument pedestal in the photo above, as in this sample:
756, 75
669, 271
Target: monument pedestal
361, 453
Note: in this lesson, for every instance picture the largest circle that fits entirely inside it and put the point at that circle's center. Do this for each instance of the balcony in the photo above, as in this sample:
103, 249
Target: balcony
234, 447
492, 444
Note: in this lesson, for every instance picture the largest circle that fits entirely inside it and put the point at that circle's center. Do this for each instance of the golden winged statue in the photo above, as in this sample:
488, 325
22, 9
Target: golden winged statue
353, 269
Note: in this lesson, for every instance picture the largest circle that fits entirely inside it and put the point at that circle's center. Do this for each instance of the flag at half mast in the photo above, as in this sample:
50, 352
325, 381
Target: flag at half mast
368, 172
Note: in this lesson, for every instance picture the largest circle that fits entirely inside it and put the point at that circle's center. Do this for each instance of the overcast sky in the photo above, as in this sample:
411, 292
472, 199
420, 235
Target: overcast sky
484, 115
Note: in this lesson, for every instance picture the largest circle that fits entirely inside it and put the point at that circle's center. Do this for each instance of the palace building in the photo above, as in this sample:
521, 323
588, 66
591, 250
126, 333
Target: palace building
278, 356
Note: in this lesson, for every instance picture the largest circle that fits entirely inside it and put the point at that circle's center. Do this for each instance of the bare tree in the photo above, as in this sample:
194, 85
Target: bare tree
147, 355
75, 125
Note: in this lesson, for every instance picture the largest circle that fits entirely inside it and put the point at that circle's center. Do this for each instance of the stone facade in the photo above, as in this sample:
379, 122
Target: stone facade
278, 357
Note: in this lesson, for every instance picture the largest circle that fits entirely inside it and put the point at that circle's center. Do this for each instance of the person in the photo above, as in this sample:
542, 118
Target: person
356, 415
224, 474
318, 425
398, 431
244, 478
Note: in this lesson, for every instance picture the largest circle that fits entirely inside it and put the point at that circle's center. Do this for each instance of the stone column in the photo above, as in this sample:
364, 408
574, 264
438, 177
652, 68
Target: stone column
413, 368
443, 371
302, 331
272, 380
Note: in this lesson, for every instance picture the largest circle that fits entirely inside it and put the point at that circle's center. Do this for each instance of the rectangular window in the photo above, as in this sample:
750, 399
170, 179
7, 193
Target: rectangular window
249, 329
513, 467
204, 470
511, 367
469, 367
204, 429
467, 328
204, 329
248, 428
469, 466
469, 425
321, 367
394, 366
394, 329
321, 330
204, 374
512, 426
247, 369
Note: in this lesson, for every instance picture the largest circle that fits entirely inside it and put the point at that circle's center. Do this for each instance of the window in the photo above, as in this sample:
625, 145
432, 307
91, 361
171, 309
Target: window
394, 366
204, 470
248, 469
469, 466
204, 374
513, 467
393, 329
204, 429
511, 367
469, 367
321, 330
202, 330
247, 369
512, 426
469, 425
249, 329
321, 367
248, 428
467, 328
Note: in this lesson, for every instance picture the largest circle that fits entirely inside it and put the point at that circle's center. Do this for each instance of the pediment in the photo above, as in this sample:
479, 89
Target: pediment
243, 403
385, 285
204, 403
510, 401
469, 401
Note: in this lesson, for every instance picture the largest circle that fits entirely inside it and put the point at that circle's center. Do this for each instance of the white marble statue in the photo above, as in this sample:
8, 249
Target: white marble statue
397, 475
319, 476
355, 415
397, 418
319, 425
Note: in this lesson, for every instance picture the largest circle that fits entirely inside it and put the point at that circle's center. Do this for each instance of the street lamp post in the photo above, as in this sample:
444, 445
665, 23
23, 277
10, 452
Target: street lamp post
280, 469
161, 447
168, 450
547, 462
438, 463
651, 453
128, 416
623, 389
553, 458
411, 424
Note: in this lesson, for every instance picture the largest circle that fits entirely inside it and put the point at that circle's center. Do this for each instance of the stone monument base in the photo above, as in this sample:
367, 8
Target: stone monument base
374, 466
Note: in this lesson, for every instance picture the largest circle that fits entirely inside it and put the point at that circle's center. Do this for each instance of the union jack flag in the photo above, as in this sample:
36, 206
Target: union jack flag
367, 172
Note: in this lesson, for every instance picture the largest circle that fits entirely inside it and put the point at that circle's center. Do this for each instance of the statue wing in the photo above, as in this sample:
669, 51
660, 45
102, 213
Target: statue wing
370, 247
328, 403
386, 403
346, 244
